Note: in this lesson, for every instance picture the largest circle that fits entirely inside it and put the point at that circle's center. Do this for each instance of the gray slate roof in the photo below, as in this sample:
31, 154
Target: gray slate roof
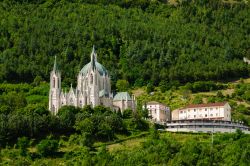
101, 69
122, 96
103, 93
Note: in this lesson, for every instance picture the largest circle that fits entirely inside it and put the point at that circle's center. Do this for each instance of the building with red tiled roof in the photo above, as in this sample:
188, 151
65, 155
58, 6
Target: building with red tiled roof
210, 111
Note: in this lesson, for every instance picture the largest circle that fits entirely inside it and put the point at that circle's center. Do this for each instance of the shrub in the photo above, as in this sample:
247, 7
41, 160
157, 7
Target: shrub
23, 144
47, 147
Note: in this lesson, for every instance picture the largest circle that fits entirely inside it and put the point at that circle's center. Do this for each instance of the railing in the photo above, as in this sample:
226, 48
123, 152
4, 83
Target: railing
204, 124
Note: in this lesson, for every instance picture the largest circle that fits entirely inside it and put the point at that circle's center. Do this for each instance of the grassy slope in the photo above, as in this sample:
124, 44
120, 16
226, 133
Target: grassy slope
136, 142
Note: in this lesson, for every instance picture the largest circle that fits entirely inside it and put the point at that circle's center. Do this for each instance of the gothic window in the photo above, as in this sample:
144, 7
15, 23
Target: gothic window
58, 84
85, 100
91, 79
95, 80
71, 100
54, 82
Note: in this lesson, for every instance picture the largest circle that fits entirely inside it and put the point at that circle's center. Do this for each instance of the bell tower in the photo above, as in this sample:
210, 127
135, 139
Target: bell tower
55, 89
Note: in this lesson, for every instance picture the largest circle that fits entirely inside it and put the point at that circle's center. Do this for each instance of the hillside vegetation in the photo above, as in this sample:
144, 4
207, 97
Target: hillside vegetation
237, 93
141, 41
153, 149
29, 134
174, 52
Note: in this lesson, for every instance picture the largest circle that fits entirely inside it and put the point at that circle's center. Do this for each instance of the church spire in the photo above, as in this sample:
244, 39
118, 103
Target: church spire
93, 58
55, 66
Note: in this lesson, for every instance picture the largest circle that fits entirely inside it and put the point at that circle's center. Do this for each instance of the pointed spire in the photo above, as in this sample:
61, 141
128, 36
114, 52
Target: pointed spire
93, 58
55, 66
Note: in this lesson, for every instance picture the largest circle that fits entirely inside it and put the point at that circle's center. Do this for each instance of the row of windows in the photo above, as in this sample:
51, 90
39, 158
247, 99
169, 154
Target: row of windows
151, 111
206, 109
71, 101
211, 115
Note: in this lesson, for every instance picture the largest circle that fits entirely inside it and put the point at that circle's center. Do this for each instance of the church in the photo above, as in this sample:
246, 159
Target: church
93, 88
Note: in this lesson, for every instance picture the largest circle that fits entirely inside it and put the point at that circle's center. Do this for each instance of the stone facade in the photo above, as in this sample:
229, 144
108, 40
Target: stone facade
158, 112
212, 111
122, 101
93, 88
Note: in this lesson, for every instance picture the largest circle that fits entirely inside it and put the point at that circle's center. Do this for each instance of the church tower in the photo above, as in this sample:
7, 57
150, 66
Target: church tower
55, 89
93, 81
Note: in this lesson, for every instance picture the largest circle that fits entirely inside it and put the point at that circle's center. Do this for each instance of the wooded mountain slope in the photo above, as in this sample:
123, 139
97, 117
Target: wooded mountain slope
205, 40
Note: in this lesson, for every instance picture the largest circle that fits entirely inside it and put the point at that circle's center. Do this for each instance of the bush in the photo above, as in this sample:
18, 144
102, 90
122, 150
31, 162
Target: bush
23, 144
47, 147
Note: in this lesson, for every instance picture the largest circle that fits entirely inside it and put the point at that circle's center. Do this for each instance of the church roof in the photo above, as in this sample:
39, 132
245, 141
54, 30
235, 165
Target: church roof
94, 65
100, 68
103, 93
122, 96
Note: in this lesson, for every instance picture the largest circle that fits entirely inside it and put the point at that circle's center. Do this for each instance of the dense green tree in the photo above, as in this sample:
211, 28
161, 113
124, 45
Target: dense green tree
47, 147
203, 41
197, 99
23, 144
122, 85
150, 88
66, 115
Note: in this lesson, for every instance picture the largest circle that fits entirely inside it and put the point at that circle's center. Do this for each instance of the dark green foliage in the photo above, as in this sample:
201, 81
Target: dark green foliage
139, 41
154, 133
66, 115
47, 147
197, 100
202, 41
150, 88
122, 85
127, 114
23, 144
163, 86
242, 92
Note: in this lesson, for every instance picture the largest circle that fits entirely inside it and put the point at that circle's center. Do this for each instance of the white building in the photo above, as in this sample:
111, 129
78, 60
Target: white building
158, 111
93, 88
211, 111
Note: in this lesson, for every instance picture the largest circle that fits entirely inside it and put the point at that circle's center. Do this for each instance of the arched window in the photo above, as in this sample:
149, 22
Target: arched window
54, 82
85, 100
91, 79
95, 80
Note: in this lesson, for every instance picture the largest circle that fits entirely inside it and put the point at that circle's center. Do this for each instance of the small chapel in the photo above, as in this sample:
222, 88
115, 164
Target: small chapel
93, 88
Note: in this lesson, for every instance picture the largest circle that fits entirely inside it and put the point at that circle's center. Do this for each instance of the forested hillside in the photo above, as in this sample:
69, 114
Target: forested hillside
141, 41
